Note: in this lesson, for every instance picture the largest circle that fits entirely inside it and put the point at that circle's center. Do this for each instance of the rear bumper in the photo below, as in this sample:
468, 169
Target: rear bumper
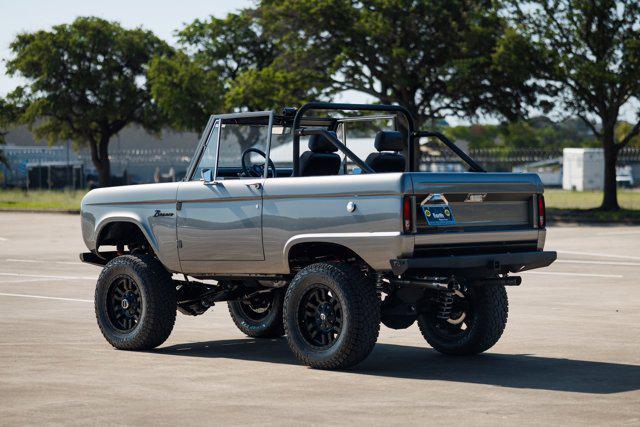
477, 264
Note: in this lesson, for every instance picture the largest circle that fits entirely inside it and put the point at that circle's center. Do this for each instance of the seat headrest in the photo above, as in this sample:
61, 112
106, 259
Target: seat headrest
320, 144
389, 140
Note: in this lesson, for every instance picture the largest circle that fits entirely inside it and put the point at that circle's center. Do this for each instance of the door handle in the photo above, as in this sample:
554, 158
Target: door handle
255, 185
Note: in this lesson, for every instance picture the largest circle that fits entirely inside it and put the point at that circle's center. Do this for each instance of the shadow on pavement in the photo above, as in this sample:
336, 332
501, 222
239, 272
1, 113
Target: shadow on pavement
397, 361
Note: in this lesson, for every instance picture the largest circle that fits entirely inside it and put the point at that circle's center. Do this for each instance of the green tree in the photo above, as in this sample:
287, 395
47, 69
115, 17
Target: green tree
435, 57
86, 81
538, 132
227, 63
3, 130
186, 91
590, 52
8, 116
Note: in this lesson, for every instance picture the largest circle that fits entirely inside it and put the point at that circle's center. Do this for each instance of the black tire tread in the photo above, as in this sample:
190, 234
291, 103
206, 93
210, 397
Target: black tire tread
160, 296
492, 311
273, 329
365, 308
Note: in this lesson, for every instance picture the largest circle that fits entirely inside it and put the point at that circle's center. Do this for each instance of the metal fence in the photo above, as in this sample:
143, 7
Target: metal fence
41, 167
151, 165
504, 160
137, 166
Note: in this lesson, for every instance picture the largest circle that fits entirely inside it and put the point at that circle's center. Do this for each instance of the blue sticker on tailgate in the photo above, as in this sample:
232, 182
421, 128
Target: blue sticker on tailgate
438, 215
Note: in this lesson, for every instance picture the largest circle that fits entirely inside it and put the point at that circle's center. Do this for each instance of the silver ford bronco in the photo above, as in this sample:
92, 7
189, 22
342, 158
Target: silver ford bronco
320, 246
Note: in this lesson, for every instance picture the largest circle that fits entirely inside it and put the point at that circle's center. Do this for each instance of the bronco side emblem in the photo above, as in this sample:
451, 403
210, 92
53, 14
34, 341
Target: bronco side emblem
158, 213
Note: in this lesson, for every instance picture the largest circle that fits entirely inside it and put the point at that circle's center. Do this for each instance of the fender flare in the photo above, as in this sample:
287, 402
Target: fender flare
343, 239
131, 218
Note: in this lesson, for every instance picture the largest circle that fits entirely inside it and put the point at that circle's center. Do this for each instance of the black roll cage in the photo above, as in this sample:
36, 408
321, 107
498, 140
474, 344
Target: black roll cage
413, 135
296, 120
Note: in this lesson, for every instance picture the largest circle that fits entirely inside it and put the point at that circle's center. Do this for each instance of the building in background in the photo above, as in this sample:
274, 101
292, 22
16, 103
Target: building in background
136, 157
38, 167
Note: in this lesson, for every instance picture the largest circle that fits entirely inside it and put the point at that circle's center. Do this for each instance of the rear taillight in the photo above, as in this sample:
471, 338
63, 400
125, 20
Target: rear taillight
541, 211
407, 215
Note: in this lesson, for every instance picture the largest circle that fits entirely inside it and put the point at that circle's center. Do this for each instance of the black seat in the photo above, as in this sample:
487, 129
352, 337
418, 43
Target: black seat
384, 160
321, 159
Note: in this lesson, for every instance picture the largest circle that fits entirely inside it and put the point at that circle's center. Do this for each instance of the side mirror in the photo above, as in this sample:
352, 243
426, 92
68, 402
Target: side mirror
207, 175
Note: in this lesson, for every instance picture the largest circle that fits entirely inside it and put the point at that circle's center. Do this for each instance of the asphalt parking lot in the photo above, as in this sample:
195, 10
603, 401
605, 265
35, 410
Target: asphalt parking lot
570, 354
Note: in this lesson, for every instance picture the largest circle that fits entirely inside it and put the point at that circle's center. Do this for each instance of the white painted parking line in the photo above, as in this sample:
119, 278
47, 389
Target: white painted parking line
580, 261
13, 281
603, 255
40, 261
44, 297
618, 233
2, 239
563, 273
49, 277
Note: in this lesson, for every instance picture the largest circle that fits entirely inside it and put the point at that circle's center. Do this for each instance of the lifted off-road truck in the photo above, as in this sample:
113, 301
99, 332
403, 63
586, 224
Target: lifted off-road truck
320, 246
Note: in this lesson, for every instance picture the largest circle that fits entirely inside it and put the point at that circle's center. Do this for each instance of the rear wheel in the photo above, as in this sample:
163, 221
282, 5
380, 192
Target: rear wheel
135, 302
259, 315
332, 316
472, 321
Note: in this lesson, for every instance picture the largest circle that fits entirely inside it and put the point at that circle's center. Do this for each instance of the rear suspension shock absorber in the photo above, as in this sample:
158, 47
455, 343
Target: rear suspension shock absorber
445, 300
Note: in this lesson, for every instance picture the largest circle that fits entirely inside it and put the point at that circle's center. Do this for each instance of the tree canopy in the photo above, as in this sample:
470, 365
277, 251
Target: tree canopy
228, 63
588, 52
436, 57
86, 81
538, 132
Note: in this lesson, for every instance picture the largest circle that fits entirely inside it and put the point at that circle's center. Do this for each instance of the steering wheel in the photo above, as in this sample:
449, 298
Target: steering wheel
257, 170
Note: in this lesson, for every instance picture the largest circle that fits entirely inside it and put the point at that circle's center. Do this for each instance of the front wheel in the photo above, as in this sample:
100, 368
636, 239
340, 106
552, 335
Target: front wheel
472, 321
332, 315
259, 315
135, 302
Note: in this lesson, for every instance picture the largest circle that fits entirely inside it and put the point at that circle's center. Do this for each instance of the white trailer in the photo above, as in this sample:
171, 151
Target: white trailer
583, 169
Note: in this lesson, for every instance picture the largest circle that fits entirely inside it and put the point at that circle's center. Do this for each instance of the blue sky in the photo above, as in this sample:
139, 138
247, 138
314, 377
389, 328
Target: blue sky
161, 16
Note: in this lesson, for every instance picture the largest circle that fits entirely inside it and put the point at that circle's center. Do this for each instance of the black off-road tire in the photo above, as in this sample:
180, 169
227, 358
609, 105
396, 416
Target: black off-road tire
360, 311
158, 296
491, 309
269, 326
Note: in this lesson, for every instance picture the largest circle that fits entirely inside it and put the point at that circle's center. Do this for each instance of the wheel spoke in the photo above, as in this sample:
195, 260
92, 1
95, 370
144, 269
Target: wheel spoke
124, 289
324, 339
318, 296
320, 316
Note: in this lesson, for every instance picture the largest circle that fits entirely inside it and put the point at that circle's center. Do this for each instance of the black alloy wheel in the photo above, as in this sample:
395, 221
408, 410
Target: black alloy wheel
124, 303
320, 316
135, 302
256, 307
331, 315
